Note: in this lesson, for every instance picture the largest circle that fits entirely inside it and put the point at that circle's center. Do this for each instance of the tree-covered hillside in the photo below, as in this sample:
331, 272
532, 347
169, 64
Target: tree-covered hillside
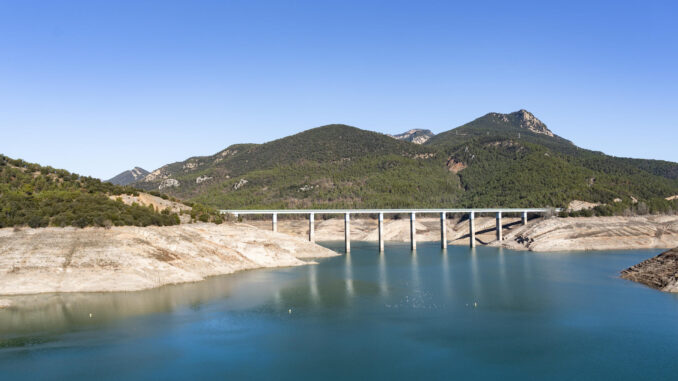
514, 160
36, 196
498, 160
522, 174
330, 166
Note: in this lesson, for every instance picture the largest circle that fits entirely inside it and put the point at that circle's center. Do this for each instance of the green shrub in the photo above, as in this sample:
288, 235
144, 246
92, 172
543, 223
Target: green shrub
58, 198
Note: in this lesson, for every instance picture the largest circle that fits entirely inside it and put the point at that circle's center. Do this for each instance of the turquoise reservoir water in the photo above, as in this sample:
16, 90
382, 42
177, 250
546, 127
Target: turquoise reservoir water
459, 314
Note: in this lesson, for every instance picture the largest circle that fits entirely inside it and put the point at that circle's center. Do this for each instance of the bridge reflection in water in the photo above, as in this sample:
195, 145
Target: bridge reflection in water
403, 277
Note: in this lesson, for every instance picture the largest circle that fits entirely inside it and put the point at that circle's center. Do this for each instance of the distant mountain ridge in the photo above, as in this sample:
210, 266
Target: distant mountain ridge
497, 160
129, 177
332, 165
416, 136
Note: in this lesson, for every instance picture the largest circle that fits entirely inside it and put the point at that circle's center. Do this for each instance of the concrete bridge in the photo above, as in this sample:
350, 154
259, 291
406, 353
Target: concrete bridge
413, 215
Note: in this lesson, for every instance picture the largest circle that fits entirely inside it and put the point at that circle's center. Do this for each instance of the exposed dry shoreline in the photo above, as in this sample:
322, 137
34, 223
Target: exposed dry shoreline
554, 234
51, 260
131, 258
595, 233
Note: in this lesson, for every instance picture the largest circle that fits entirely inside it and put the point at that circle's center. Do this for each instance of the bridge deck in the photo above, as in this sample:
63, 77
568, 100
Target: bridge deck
386, 211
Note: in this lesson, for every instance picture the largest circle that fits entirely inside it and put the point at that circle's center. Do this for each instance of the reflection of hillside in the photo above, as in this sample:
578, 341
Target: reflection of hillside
68, 311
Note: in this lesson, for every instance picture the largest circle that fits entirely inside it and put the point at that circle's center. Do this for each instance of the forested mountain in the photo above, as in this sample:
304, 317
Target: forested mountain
514, 159
128, 177
330, 166
43, 196
498, 160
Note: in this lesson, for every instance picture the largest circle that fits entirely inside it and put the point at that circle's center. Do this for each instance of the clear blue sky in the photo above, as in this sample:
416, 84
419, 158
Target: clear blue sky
97, 87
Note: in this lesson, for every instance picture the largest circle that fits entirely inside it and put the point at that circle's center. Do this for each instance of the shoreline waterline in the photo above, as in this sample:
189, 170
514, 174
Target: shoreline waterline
48, 260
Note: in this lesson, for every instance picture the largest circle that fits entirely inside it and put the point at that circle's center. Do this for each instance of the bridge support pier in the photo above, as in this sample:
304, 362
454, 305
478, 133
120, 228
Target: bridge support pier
275, 222
443, 231
524, 218
472, 229
311, 227
413, 232
500, 235
347, 232
381, 232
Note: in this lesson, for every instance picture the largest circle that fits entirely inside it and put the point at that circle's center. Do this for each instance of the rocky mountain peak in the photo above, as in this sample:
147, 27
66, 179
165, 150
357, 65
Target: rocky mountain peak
527, 120
128, 177
416, 135
523, 119
138, 172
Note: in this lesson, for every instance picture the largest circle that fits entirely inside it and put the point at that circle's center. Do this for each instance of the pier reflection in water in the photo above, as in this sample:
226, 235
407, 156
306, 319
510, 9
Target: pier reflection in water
279, 289
383, 275
482, 313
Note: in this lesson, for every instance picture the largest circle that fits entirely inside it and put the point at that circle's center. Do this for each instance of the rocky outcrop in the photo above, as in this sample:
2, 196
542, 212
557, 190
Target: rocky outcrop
135, 258
202, 179
660, 272
158, 174
190, 165
522, 119
530, 122
416, 136
240, 184
455, 166
169, 183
